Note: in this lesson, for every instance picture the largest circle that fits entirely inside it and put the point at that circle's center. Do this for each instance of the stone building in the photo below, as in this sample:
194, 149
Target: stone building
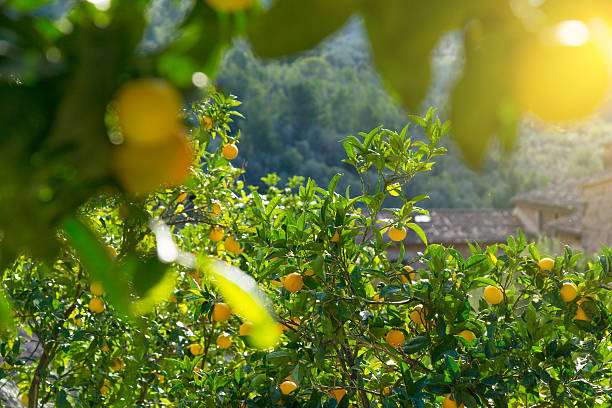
576, 212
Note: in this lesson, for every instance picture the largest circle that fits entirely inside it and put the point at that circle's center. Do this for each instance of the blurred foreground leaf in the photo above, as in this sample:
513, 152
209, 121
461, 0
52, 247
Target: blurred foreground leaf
95, 257
242, 294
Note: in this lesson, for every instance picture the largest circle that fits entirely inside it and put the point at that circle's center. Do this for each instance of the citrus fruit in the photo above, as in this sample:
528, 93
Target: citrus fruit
96, 288
181, 197
160, 378
105, 348
337, 394
409, 271
397, 234
215, 234
147, 110
568, 292
104, 388
245, 329
581, 315
493, 295
559, 82
172, 299
208, 123
546, 264
287, 387
215, 209
378, 298
224, 341
221, 312
336, 237
230, 6
308, 272
232, 245
394, 189
450, 403
386, 391
395, 338
230, 151
417, 315
468, 335
294, 282
143, 169
117, 364
96, 305
196, 349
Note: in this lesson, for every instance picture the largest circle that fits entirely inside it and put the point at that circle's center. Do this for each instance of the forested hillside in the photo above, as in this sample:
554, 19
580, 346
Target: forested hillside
299, 108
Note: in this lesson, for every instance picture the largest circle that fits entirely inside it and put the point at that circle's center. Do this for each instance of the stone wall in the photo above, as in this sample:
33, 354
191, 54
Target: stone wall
597, 216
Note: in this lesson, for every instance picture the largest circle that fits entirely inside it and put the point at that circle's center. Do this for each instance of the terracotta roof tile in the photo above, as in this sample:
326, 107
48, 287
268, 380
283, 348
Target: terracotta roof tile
453, 225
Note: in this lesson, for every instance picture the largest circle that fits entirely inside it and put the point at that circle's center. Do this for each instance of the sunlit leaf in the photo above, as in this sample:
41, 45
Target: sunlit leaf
241, 292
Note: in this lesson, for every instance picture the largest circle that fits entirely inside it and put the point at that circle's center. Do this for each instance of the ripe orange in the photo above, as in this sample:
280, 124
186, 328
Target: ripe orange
232, 245
493, 295
181, 197
96, 305
309, 272
215, 209
336, 237
546, 264
208, 123
287, 387
468, 335
215, 234
409, 271
117, 364
224, 341
448, 403
103, 389
417, 315
172, 299
196, 349
221, 312
378, 298
96, 288
105, 348
245, 329
294, 282
148, 111
581, 315
568, 292
230, 151
142, 169
337, 394
397, 234
395, 338
386, 391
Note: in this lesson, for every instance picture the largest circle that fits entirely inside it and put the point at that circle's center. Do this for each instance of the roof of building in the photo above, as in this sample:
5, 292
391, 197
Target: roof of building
455, 225
570, 224
567, 194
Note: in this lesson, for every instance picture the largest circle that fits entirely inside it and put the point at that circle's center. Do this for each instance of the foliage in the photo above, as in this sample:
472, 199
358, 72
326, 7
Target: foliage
528, 351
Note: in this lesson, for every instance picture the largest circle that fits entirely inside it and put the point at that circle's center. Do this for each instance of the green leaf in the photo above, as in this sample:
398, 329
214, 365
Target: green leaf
291, 26
153, 282
416, 344
6, 320
97, 260
403, 33
419, 231
240, 291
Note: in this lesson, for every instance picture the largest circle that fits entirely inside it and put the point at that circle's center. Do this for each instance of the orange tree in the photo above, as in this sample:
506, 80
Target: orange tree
99, 142
354, 328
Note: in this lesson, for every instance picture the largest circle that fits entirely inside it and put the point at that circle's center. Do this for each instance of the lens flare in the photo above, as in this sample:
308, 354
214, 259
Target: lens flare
573, 33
